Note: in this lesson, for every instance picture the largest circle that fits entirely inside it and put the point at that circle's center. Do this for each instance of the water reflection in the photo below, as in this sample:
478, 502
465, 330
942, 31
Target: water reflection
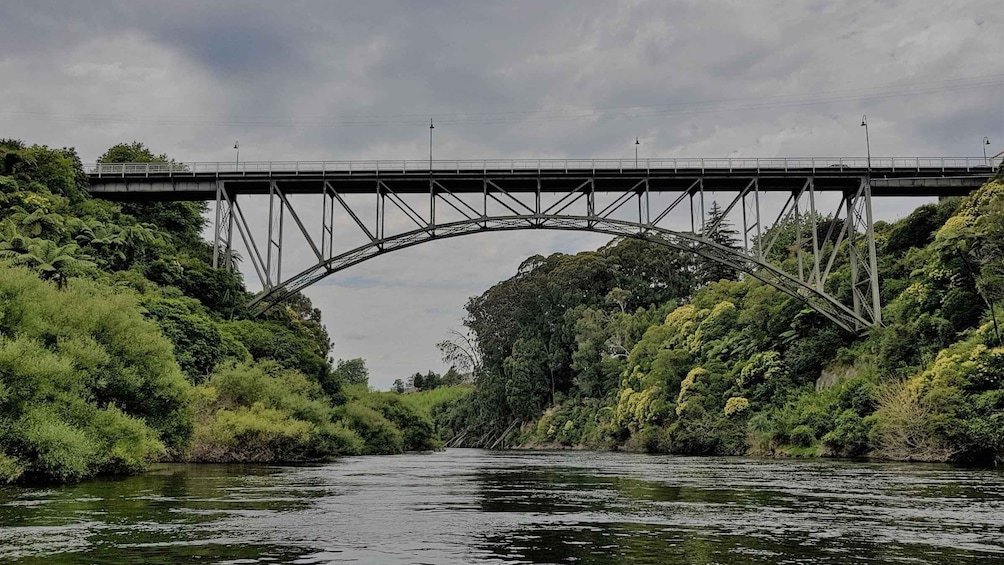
465, 506
171, 514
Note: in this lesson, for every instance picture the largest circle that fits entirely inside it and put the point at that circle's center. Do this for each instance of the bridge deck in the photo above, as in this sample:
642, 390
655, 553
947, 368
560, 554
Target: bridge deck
198, 181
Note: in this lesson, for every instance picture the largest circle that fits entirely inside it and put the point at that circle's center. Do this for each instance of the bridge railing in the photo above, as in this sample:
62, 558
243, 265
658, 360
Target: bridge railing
484, 165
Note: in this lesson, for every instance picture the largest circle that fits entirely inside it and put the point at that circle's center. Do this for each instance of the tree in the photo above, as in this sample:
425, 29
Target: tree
526, 387
431, 381
135, 152
353, 371
398, 386
452, 377
36, 223
53, 262
183, 220
719, 230
462, 351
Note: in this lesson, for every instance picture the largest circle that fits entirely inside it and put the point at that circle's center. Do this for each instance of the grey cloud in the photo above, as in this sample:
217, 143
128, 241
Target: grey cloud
502, 77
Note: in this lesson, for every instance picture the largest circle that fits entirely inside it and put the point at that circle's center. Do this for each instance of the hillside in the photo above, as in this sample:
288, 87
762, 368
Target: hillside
120, 344
636, 347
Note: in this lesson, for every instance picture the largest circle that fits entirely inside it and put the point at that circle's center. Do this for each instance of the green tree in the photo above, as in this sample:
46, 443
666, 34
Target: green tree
353, 371
53, 262
718, 229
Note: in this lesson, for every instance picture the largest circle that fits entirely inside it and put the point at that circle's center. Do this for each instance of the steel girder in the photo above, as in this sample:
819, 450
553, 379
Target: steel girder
814, 258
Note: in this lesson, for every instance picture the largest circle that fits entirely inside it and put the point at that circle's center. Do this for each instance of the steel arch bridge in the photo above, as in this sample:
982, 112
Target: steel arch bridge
459, 198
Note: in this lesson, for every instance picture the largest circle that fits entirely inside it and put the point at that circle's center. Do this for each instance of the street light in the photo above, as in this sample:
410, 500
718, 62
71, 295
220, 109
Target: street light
868, 143
237, 163
636, 144
431, 127
986, 141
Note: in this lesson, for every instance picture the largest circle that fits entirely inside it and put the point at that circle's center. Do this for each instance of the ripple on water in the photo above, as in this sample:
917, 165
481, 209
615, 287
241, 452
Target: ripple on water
464, 506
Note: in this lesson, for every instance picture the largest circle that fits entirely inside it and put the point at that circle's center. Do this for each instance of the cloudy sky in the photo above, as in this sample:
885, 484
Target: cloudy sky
360, 80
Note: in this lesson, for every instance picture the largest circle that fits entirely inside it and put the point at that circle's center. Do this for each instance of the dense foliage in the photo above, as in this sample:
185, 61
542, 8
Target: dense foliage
120, 344
686, 357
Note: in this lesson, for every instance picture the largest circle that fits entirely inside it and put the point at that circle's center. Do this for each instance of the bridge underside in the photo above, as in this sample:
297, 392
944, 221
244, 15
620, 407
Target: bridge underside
666, 205
203, 186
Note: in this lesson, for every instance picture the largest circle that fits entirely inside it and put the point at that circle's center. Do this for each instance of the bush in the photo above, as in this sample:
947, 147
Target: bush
337, 438
126, 443
850, 436
417, 431
87, 385
255, 434
378, 433
258, 412
736, 406
802, 436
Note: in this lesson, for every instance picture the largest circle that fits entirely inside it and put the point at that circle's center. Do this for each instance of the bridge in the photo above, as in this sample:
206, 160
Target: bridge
664, 201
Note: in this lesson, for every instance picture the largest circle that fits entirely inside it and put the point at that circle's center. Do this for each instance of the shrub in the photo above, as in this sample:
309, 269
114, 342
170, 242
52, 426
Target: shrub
54, 449
905, 426
255, 434
850, 436
802, 436
87, 384
336, 438
736, 406
417, 431
126, 443
379, 434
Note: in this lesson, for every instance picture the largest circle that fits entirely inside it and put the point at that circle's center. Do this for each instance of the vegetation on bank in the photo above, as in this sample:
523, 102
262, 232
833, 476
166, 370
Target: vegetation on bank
641, 347
121, 345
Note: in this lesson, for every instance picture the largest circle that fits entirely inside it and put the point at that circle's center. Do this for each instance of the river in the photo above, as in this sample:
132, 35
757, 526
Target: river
472, 506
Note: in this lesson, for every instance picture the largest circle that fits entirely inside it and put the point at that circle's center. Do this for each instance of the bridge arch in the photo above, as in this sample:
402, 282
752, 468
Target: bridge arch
771, 275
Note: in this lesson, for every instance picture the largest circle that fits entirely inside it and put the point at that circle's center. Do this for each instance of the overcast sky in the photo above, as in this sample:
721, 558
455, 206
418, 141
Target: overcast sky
359, 80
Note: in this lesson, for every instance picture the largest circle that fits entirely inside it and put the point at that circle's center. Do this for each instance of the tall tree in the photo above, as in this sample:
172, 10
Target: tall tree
183, 220
718, 229
353, 371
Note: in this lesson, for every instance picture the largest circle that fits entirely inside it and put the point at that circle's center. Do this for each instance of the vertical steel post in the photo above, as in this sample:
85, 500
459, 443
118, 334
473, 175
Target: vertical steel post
816, 251
229, 258
537, 205
268, 252
872, 258
327, 222
648, 205
746, 230
640, 222
278, 251
432, 204
796, 197
704, 214
693, 226
378, 223
216, 226
759, 224
852, 253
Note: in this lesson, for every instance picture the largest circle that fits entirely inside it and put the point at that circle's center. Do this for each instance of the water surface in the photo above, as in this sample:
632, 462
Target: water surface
472, 506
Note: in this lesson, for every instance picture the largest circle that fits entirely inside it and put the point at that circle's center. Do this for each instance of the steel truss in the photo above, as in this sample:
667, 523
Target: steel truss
805, 276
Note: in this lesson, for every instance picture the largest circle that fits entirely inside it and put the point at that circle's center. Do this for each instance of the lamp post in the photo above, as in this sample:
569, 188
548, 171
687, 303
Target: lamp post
868, 143
986, 141
431, 127
636, 144
237, 147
